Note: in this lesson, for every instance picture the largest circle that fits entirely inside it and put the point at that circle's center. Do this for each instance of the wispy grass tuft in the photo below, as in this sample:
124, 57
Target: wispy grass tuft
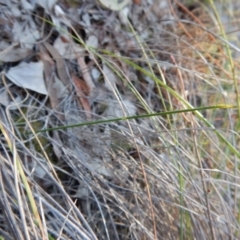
158, 158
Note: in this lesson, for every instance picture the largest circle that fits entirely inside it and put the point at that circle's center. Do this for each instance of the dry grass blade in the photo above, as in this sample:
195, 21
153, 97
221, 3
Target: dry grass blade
19, 170
136, 134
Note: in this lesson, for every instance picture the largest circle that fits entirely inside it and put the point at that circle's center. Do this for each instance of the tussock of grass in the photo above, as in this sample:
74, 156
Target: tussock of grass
162, 163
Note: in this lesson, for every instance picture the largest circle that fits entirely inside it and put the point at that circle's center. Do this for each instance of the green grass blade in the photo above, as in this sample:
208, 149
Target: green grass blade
137, 117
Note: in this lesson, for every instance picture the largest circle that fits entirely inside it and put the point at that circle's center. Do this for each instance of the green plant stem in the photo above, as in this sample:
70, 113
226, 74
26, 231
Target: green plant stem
136, 117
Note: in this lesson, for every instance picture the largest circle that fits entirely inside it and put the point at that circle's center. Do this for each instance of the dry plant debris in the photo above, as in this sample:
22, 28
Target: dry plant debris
67, 62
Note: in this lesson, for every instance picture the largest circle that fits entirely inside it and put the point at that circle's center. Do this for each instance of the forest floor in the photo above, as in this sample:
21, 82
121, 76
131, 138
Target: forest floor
119, 121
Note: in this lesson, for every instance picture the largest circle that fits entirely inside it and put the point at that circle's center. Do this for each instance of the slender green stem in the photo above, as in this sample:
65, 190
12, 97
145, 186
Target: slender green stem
137, 117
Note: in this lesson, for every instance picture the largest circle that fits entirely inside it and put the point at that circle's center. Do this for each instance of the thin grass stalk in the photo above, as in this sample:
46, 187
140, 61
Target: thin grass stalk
237, 98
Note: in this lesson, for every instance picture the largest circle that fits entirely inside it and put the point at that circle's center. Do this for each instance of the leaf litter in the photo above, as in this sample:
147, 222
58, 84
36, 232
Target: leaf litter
101, 191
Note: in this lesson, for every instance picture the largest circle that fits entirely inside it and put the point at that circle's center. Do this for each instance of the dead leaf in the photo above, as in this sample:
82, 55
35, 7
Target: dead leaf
116, 109
14, 54
92, 41
28, 75
110, 78
26, 34
55, 87
85, 72
49, 65
82, 92
138, 2
123, 16
95, 74
61, 68
66, 48
114, 5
